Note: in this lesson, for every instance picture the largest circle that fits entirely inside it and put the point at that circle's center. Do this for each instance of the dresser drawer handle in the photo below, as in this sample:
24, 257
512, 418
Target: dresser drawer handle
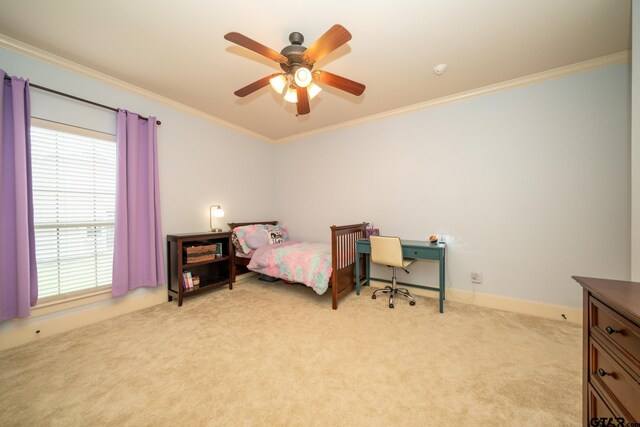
610, 330
603, 373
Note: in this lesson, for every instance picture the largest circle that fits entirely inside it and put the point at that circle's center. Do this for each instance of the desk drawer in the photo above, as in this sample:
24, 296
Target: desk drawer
616, 331
420, 253
614, 380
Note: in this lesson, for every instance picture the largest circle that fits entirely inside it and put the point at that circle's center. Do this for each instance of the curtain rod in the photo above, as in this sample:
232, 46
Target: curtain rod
6, 77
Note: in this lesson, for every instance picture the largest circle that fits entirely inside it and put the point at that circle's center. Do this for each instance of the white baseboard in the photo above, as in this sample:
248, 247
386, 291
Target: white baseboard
52, 319
16, 332
533, 308
44, 323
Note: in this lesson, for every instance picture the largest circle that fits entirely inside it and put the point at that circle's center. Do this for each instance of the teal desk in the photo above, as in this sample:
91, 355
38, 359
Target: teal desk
410, 249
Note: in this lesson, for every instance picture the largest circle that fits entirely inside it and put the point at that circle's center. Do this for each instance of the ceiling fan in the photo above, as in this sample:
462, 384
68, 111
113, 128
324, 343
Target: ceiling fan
297, 80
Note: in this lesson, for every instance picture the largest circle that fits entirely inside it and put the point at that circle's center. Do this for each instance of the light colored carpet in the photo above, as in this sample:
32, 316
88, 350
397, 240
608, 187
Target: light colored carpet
276, 354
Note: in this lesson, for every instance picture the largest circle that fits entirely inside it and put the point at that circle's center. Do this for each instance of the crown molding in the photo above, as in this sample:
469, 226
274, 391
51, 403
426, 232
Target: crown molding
580, 67
49, 58
44, 56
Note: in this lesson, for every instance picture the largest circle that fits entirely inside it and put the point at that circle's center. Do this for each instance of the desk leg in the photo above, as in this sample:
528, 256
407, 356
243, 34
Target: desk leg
357, 273
368, 269
442, 270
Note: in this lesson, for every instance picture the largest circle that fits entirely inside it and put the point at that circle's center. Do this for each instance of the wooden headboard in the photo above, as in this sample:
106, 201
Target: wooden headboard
233, 225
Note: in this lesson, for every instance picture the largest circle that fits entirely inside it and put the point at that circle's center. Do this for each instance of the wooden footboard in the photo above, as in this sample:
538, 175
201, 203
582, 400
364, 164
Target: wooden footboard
343, 259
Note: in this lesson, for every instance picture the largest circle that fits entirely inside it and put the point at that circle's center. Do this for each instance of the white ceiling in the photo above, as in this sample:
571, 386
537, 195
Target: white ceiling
177, 50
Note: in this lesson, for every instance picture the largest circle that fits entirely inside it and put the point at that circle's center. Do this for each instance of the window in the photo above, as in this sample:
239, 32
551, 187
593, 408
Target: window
74, 183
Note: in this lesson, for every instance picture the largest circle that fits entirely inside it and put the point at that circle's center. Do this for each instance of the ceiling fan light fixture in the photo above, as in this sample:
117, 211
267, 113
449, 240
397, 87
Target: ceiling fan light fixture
302, 77
296, 61
313, 89
291, 95
278, 83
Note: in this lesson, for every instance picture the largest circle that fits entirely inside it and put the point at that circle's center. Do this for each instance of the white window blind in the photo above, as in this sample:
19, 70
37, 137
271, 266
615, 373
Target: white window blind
74, 183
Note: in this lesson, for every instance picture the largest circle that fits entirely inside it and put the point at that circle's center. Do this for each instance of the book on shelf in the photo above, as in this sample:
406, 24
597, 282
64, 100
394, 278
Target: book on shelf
185, 280
218, 250
190, 279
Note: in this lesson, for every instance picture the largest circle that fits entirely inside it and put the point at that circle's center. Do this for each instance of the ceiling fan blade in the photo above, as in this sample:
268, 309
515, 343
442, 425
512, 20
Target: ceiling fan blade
258, 84
303, 101
335, 37
253, 45
339, 82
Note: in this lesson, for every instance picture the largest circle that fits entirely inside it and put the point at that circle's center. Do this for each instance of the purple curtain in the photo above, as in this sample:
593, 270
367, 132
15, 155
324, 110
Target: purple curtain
138, 258
18, 271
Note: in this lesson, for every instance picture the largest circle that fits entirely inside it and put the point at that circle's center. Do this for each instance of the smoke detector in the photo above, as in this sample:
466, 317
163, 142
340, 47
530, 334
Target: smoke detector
439, 69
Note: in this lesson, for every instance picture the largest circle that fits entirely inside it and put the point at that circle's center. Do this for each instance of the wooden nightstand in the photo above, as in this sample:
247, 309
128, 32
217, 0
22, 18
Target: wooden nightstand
213, 272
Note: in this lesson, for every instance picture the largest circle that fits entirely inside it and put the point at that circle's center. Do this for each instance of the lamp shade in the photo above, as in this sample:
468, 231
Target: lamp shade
216, 211
278, 83
313, 90
302, 77
291, 95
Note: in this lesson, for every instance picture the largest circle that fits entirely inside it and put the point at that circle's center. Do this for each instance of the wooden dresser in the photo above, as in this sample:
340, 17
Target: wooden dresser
611, 354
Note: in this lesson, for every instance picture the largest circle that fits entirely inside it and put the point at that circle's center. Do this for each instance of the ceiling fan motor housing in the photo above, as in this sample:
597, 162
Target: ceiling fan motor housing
294, 52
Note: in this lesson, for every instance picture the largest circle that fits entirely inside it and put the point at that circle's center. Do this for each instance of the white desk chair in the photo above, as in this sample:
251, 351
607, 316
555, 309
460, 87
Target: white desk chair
388, 251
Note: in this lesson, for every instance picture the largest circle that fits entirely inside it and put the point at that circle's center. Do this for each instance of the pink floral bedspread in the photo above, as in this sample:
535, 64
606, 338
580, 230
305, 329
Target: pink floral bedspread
302, 262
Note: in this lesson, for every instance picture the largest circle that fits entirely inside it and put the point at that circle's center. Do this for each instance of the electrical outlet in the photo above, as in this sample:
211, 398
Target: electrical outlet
476, 277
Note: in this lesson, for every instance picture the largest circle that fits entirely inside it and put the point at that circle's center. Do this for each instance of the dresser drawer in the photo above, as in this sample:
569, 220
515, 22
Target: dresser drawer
614, 380
597, 406
611, 350
618, 332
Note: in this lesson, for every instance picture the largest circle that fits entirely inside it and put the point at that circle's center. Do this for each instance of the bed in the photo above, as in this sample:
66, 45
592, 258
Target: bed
282, 259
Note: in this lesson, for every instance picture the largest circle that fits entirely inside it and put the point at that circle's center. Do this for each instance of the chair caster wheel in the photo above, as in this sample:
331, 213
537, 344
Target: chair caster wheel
373, 297
412, 303
390, 305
